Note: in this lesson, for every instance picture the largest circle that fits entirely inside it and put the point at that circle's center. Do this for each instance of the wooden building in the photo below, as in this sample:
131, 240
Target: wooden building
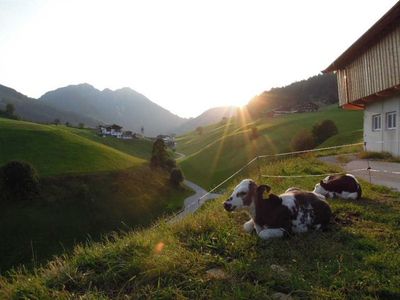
368, 74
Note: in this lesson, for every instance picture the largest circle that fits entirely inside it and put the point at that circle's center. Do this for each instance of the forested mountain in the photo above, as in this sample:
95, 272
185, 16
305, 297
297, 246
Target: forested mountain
318, 89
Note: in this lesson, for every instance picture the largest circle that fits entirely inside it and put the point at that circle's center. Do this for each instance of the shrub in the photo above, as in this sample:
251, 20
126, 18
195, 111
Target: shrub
254, 132
199, 130
176, 176
302, 141
20, 180
324, 130
170, 164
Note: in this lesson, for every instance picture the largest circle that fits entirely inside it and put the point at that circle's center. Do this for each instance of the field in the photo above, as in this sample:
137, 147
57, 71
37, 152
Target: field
208, 256
89, 187
55, 150
224, 148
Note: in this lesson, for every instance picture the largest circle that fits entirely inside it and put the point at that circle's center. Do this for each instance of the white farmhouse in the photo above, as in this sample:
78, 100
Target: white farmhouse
111, 130
368, 76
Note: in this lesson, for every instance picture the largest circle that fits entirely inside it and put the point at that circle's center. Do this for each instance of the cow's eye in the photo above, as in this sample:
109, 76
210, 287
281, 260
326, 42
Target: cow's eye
240, 194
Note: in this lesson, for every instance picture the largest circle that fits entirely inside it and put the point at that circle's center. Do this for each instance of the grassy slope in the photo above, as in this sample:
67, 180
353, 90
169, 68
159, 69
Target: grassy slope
223, 149
71, 208
357, 258
136, 147
57, 150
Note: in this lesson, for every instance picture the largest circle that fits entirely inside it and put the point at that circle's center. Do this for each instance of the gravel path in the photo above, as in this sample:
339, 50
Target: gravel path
383, 173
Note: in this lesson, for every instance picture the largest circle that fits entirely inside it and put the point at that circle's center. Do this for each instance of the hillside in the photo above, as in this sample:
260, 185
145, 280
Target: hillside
208, 256
57, 150
224, 148
33, 110
321, 89
75, 208
125, 107
210, 116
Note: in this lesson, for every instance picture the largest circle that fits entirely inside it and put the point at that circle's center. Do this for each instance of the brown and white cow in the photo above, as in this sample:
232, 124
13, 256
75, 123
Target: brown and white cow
294, 211
344, 186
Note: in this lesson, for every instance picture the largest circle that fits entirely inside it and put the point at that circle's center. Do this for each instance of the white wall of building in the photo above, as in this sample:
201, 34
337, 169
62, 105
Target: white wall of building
384, 139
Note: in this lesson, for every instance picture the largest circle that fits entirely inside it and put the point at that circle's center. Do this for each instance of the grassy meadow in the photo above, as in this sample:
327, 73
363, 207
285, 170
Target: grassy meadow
209, 256
89, 187
224, 148
55, 150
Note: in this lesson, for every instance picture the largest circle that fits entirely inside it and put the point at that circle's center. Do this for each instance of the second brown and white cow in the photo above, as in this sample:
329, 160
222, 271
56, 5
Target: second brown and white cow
344, 186
294, 211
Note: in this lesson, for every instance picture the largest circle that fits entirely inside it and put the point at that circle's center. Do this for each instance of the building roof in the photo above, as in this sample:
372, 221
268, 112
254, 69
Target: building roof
369, 38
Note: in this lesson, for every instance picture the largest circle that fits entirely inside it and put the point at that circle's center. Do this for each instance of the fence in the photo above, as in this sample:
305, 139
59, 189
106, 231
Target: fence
256, 160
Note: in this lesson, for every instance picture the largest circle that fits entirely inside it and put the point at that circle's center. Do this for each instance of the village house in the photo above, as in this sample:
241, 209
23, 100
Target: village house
368, 74
111, 130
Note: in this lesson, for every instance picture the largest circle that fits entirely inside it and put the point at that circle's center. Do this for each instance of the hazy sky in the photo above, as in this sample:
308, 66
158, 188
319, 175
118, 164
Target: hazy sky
185, 55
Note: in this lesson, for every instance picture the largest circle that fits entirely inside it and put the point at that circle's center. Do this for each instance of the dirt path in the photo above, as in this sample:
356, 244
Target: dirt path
383, 173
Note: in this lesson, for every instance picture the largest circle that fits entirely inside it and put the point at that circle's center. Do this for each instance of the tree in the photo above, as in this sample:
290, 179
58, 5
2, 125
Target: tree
159, 154
176, 176
324, 130
10, 109
56, 121
81, 125
303, 140
254, 132
20, 180
199, 130
67, 124
142, 130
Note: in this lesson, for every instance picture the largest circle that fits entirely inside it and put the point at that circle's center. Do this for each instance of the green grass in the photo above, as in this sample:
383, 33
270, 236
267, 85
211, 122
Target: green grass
357, 258
223, 149
136, 147
55, 150
71, 209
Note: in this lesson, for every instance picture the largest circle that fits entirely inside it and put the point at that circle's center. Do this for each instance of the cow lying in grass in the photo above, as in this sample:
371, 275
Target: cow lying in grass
294, 211
341, 186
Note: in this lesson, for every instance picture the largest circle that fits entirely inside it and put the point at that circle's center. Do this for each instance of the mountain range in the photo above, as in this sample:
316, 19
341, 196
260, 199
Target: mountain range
83, 103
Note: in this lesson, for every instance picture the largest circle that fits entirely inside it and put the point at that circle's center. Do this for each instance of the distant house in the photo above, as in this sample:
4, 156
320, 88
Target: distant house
368, 76
127, 135
168, 140
111, 130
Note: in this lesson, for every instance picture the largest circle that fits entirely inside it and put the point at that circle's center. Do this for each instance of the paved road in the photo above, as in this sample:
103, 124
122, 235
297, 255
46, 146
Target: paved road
193, 202
383, 173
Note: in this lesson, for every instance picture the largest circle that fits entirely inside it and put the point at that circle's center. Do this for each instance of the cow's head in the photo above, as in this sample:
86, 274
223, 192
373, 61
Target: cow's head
245, 194
320, 188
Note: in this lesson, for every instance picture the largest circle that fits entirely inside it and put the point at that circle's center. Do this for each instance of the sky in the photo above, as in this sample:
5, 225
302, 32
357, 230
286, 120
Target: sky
185, 55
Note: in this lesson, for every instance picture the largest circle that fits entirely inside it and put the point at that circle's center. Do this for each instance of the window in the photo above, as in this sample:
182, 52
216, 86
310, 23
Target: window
391, 120
376, 122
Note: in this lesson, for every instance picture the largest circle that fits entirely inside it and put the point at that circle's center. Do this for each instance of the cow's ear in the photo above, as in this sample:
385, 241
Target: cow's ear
274, 200
261, 189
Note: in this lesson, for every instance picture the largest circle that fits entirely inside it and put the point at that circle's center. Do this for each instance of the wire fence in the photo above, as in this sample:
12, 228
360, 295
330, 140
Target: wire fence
201, 200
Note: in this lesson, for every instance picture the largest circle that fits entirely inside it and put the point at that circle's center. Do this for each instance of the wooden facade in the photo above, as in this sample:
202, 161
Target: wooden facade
370, 68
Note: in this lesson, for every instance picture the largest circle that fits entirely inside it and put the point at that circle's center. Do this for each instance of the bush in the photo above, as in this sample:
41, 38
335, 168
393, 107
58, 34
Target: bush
176, 176
20, 180
254, 133
324, 130
302, 141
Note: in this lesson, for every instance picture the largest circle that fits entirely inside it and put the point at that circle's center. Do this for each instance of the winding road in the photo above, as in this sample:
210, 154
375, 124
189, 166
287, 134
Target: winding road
192, 203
